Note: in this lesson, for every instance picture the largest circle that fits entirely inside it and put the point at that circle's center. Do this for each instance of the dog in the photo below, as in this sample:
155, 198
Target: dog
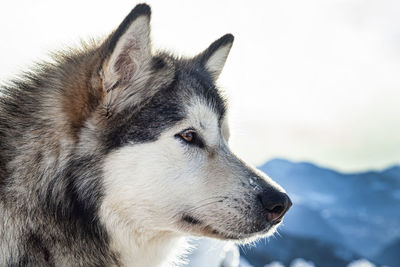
111, 154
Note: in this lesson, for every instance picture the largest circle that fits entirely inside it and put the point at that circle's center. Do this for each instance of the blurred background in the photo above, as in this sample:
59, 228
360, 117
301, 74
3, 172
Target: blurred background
314, 91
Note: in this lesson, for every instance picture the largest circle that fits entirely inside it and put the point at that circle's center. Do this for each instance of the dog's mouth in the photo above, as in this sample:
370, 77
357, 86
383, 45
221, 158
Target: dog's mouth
241, 237
198, 227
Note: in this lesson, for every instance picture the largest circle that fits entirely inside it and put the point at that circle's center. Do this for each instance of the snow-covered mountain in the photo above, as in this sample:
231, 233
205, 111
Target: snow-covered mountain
336, 216
390, 254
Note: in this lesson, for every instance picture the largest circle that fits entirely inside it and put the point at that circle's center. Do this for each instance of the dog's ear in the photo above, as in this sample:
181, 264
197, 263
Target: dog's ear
127, 55
214, 57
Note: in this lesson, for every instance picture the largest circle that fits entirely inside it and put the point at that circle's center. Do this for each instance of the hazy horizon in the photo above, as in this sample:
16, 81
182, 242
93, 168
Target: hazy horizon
307, 81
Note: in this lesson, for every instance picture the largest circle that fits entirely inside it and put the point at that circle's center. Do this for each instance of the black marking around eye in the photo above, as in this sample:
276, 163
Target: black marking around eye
196, 141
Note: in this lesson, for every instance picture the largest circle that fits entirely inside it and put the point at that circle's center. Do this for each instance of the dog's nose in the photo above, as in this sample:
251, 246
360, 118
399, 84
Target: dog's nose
275, 203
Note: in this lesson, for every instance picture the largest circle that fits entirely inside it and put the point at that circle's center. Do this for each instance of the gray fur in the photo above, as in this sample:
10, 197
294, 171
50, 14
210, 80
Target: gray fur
59, 122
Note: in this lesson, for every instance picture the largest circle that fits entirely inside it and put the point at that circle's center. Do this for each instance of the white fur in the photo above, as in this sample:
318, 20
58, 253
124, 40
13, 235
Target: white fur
217, 60
149, 186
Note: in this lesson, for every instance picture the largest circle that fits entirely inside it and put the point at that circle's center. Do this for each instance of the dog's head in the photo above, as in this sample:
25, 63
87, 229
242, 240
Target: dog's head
163, 124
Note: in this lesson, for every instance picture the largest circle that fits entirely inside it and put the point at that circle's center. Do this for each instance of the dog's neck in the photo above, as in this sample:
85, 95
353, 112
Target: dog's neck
147, 248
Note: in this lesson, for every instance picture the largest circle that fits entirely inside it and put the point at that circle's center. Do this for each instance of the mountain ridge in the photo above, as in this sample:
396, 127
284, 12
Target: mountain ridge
356, 213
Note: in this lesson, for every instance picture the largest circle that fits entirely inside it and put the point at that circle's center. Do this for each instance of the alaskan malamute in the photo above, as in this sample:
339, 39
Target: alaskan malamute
112, 153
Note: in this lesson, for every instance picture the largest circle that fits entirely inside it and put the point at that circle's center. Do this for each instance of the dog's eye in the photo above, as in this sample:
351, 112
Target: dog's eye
188, 136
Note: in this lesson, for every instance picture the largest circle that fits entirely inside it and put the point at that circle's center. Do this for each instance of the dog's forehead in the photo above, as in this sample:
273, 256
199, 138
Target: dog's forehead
202, 115
200, 92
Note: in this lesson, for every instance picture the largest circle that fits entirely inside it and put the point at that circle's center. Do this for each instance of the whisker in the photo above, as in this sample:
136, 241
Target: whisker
222, 197
203, 205
210, 198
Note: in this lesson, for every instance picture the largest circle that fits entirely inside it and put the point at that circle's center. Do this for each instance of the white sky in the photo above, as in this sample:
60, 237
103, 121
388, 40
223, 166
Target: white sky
307, 80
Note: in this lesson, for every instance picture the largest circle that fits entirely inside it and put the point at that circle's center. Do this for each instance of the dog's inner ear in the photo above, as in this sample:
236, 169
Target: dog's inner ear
128, 48
214, 57
128, 54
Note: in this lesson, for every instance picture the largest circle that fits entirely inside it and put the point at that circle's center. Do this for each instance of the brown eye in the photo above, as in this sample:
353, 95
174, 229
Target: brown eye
188, 136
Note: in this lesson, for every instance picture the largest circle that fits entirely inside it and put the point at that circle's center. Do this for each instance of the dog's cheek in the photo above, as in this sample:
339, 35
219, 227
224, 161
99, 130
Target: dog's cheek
145, 181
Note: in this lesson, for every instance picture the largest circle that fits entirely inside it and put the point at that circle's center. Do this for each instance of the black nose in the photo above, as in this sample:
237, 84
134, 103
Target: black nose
275, 203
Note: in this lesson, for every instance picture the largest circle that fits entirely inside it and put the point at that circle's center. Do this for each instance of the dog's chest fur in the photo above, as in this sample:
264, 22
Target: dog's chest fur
159, 249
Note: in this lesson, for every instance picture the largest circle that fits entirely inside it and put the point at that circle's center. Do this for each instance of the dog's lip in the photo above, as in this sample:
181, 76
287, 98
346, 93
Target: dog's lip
226, 234
239, 236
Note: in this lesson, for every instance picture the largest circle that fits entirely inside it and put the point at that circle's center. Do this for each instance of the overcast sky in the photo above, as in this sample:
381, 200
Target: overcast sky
307, 80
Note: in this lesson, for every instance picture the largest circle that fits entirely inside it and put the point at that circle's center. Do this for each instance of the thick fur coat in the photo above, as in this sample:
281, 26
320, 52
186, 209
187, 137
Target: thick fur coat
112, 153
